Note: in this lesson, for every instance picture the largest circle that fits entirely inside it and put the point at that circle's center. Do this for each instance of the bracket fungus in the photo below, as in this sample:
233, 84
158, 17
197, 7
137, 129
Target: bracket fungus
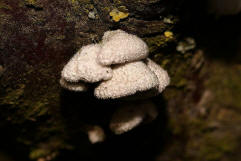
84, 67
127, 80
119, 67
161, 74
120, 47
131, 114
73, 86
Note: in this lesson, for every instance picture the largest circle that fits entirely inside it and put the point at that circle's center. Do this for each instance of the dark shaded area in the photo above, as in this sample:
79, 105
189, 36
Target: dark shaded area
142, 143
218, 35
10, 149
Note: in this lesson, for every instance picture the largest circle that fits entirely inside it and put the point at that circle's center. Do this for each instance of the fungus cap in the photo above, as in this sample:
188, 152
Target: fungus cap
120, 47
96, 134
109, 34
127, 80
73, 86
130, 115
84, 67
161, 74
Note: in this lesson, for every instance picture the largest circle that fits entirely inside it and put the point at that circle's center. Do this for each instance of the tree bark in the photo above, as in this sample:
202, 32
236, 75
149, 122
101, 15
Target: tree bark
45, 122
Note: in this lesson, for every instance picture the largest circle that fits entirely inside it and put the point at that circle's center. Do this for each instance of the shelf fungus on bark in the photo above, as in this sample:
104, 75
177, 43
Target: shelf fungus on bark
161, 74
83, 68
131, 114
127, 80
73, 86
121, 67
119, 47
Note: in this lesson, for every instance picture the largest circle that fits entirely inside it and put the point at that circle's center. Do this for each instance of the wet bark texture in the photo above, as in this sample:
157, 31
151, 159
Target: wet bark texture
199, 112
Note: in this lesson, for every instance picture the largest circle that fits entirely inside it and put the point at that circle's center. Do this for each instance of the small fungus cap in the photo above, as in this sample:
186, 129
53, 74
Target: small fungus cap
96, 134
120, 47
73, 86
161, 74
84, 67
132, 114
127, 80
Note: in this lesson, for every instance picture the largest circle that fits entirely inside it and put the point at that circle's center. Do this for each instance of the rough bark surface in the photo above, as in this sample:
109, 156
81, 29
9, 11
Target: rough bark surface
44, 122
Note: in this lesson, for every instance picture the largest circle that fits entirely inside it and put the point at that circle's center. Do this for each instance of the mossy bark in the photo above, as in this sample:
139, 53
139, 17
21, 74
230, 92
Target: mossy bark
46, 122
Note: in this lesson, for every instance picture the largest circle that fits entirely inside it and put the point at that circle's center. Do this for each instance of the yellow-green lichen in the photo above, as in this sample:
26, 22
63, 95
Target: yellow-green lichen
106, 9
30, 2
79, 1
118, 15
168, 34
175, 66
122, 9
38, 153
155, 42
158, 41
117, 1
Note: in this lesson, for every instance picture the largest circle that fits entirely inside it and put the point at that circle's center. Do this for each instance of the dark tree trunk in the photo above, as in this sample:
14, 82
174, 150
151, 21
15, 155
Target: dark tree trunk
199, 112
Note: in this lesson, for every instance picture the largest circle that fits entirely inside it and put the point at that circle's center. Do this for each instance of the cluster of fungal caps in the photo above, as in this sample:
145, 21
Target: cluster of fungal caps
120, 66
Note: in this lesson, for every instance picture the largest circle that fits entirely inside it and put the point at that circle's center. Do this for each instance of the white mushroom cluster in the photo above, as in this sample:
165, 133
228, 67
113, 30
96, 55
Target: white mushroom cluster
120, 68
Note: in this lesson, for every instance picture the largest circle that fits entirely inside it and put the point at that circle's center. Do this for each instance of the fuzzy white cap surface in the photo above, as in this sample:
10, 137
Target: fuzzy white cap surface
130, 115
161, 74
120, 47
127, 80
73, 86
84, 67
109, 34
